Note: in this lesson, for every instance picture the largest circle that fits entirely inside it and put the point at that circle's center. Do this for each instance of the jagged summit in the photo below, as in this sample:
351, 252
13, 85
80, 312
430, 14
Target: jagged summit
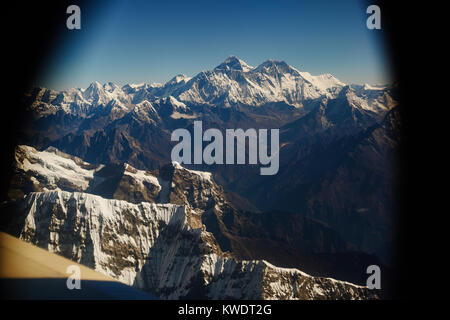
234, 63
271, 62
93, 89
111, 86
179, 78
274, 67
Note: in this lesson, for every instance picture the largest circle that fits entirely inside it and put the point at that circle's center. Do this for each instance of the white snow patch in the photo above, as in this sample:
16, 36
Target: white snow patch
203, 174
52, 166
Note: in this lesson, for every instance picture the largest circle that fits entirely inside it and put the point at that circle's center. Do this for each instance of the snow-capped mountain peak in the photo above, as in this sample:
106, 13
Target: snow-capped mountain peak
274, 66
234, 63
94, 89
367, 86
179, 78
172, 101
111, 87
323, 81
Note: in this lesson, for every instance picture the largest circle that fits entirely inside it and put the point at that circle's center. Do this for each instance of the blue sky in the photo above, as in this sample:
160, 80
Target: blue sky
151, 41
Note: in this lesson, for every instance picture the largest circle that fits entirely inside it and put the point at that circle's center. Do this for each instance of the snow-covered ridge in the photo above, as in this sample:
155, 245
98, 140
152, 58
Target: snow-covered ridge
174, 102
323, 81
103, 218
376, 87
52, 169
51, 166
233, 81
203, 174
141, 176
157, 248
374, 99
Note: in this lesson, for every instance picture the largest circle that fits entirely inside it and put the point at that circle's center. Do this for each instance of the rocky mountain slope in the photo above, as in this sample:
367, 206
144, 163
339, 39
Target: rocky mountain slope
240, 234
161, 248
337, 171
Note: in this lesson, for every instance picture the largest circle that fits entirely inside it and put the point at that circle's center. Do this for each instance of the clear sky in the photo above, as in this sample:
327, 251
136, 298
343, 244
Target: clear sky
133, 41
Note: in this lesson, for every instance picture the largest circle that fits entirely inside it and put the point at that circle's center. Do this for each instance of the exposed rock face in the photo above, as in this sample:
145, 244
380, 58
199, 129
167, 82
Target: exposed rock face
281, 238
161, 248
54, 170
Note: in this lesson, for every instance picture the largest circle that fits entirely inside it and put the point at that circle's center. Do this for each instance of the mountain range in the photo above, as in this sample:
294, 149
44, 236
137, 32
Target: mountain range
104, 151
